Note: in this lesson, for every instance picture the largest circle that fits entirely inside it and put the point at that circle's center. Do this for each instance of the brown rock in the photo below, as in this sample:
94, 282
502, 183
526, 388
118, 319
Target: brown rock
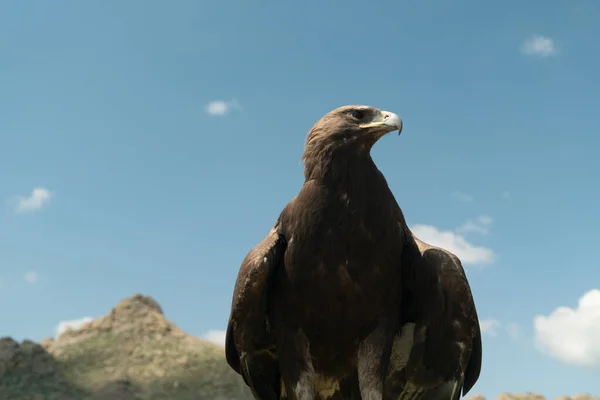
46, 343
581, 396
27, 356
138, 303
8, 350
520, 396
477, 397
135, 317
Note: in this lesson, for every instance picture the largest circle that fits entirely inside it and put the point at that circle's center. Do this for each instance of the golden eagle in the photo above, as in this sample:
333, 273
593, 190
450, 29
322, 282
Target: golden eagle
340, 300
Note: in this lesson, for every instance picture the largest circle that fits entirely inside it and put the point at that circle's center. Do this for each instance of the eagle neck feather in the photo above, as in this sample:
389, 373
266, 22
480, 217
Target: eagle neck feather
353, 172
340, 167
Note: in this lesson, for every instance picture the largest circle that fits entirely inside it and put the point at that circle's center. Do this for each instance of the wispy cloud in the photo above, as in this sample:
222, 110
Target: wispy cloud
489, 326
455, 243
31, 277
506, 194
38, 198
462, 196
481, 225
540, 46
216, 336
75, 324
493, 327
220, 108
572, 335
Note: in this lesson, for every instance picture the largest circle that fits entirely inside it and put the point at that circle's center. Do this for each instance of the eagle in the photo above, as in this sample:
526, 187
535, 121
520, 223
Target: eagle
341, 300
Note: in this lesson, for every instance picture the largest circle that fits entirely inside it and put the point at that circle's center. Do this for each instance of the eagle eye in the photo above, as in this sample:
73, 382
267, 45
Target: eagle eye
357, 114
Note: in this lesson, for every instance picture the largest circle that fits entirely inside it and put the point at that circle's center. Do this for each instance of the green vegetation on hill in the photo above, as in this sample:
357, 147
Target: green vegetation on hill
133, 352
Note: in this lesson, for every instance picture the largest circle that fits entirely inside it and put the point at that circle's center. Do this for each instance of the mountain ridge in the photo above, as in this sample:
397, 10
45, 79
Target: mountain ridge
132, 352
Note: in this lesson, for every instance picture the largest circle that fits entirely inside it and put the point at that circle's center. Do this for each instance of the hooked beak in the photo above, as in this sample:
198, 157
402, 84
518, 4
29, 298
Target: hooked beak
387, 122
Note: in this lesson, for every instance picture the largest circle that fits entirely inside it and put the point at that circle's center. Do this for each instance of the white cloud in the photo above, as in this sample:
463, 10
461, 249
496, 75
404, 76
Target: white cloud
455, 243
462, 196
572, 335
216, 336
492, 327
481, 224
489, 326
221, 108
31, 277
75, 324
513, 330
538, 45
34, 202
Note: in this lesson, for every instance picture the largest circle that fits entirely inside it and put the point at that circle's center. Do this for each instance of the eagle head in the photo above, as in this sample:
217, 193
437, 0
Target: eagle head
349, 130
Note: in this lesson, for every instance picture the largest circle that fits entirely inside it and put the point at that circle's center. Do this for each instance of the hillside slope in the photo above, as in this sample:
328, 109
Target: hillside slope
133, 352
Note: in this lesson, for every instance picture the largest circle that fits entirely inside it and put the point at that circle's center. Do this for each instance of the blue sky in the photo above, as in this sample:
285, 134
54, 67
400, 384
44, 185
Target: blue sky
115, 178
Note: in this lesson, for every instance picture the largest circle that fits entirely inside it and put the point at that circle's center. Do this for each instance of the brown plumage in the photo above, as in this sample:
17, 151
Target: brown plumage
437, 353
319, 303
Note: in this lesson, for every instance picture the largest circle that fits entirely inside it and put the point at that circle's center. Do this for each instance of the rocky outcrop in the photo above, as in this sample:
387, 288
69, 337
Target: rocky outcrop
583, 396
136, 315
27, 357
477, 397
520, 396
132, 352
29, 372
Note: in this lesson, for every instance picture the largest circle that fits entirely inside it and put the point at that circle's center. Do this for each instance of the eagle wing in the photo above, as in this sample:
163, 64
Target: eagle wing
249, 344
438, 352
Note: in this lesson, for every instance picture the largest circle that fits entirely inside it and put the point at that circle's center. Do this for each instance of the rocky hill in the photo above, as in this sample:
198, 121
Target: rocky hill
131, 353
